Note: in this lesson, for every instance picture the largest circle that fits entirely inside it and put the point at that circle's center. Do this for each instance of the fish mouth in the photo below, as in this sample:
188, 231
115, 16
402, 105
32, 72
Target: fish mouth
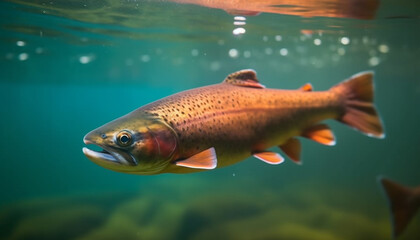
107, 157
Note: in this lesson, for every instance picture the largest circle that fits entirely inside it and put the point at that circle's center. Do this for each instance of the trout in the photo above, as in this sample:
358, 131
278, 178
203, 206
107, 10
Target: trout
219, 125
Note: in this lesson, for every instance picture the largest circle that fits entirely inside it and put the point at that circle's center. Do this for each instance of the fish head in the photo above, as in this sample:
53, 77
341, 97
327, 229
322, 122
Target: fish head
137, 143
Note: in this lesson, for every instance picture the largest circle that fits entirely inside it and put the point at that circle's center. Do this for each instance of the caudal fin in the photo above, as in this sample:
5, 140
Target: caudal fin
401, 206
360, 112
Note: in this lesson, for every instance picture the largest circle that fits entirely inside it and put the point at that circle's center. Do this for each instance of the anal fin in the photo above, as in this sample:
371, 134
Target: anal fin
292, 149
206, 159
269, 157
320, 133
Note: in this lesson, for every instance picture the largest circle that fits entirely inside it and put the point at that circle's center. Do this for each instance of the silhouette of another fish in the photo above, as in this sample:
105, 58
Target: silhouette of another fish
358, 9
403, 202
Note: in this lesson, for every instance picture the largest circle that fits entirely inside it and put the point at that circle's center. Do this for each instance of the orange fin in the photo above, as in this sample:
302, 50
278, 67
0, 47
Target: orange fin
204, 160
269, 157
360, 112
292, 149
320, 133
307, 87
244, 78
401, 205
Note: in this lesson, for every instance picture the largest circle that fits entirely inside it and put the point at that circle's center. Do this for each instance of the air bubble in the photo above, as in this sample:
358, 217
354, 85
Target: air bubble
194, 52
374, 61
383, 48
20, 43
145, 58
345, 40
233, 53
284, 51
238, 31
23, 56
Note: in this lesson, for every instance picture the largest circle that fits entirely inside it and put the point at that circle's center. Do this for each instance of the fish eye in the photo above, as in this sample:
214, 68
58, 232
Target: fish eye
124, 138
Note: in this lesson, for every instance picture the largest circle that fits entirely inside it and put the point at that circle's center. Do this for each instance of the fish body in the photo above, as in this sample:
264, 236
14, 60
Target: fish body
219, 125
404, 203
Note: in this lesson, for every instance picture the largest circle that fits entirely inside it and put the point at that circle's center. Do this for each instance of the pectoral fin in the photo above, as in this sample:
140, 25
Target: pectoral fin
320, 133
292, 149
206, 159
269, 157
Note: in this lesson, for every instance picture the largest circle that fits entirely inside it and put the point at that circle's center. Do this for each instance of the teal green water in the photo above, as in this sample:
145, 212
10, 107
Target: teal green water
68, 67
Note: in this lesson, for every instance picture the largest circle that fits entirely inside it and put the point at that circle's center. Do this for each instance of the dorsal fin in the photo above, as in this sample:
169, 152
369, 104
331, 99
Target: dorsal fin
307, 87
244, 78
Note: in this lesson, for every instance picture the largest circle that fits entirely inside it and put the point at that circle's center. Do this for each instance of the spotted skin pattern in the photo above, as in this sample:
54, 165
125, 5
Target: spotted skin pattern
238, 121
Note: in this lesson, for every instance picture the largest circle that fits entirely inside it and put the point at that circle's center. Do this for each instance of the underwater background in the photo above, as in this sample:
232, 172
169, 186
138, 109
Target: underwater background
67, 67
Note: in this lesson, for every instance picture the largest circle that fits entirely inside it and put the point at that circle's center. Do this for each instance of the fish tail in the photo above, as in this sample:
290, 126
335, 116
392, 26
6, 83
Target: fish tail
360, 112
402, 209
